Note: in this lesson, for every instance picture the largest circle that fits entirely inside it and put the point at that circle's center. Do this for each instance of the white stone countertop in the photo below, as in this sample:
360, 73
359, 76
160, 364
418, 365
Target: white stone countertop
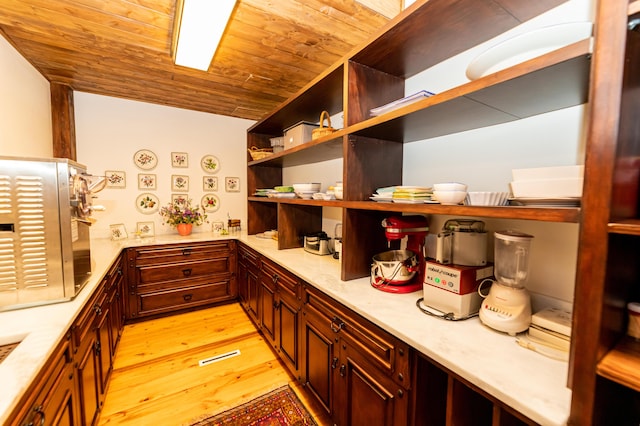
527, 381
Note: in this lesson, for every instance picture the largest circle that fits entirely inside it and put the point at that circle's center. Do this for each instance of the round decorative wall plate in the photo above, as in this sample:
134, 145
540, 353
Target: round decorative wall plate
147, 203
145, 159
210, 203
210, 164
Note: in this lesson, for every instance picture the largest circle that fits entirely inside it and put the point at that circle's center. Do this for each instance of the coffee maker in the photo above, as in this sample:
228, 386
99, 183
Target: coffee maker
415, 229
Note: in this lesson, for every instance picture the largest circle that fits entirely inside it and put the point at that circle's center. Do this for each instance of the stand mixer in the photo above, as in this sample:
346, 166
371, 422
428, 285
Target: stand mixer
507, 307
415, 228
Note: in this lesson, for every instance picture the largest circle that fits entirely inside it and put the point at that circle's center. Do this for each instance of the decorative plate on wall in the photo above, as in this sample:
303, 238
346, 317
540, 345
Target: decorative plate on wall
210, 164
147, 203
210, 203
145, 159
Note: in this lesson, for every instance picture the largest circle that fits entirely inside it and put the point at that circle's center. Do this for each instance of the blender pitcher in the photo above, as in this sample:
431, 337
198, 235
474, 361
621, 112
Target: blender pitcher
507, 307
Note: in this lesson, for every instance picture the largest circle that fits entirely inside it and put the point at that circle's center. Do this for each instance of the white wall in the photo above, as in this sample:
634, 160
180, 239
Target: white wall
25, 107
109, 131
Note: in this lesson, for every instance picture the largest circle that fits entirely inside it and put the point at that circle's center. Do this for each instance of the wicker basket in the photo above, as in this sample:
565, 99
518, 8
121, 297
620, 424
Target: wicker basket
323, 131
260, 153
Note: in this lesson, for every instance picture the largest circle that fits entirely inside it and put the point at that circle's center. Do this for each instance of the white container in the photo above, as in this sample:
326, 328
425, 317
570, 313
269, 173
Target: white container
486, 198
298, 134
279, 141
547, 188
556, 172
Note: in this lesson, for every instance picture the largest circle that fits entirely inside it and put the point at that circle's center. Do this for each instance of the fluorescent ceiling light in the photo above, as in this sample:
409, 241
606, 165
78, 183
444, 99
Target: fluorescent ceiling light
200, 27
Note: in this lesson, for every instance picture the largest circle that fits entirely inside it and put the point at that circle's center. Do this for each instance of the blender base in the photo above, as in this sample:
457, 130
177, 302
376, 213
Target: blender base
506, 309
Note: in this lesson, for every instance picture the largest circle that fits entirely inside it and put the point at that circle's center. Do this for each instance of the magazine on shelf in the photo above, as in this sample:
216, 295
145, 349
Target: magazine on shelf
400, 103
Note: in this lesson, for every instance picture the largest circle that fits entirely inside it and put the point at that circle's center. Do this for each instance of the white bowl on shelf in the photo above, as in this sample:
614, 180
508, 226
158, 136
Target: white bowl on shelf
486, 198
449, 186
305, 195
315, 187
449, 197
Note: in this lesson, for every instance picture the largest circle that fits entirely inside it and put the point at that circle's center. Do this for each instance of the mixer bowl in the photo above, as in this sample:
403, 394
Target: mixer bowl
395, 267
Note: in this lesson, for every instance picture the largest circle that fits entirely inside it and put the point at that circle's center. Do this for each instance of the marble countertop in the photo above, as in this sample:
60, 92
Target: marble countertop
525, 380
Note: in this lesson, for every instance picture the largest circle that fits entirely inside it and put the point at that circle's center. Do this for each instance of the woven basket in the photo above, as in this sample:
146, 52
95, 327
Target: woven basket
323, 131
260, 153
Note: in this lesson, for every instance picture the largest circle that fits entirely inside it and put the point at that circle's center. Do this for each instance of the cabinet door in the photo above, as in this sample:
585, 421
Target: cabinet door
288, 330
104, 356
55, 402
87, 380
320, 358
368, 396
268, 307
253, 290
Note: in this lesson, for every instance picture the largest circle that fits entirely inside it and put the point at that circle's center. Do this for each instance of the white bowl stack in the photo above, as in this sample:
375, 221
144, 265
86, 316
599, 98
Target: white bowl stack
449, 193
306, 190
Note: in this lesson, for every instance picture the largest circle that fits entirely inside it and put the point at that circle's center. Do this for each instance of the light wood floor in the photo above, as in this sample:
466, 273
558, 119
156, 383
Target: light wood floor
156, 378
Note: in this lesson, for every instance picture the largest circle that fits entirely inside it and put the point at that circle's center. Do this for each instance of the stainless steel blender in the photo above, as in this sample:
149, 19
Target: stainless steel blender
507, 307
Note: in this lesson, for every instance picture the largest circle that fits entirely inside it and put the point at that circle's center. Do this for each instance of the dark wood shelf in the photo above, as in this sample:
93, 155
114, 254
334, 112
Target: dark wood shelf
622, 364
322, 149
627, 227
507, 95
545, 214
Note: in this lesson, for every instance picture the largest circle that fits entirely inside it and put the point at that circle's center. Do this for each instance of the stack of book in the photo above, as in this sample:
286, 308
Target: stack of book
551, 328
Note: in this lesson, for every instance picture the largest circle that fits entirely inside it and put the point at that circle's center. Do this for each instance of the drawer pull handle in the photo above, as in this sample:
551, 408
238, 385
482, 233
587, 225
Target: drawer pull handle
186, 272
336, 325
343, 370
39, 411
275, 278
186, 252
187, 297
334, 363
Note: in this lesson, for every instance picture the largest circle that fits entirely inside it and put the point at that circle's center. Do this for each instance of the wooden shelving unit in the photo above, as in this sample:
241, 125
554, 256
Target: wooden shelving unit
604, 363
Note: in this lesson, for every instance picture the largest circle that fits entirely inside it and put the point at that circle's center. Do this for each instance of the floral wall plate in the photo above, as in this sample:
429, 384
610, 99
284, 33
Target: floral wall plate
145, 159
210, 203
147, 203
210, 164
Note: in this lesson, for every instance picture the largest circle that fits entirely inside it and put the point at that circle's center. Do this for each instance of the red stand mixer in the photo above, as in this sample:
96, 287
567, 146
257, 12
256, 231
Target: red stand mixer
401, 271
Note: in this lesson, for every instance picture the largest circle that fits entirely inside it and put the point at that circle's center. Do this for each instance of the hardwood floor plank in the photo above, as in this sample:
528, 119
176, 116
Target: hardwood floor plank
157, 379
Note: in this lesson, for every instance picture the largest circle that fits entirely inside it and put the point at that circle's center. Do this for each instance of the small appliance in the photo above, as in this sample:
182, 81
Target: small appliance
317, 243
415, 229
452, 290
507, 307
462, 242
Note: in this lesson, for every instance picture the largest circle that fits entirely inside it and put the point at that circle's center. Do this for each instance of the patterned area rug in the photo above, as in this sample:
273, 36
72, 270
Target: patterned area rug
280, 407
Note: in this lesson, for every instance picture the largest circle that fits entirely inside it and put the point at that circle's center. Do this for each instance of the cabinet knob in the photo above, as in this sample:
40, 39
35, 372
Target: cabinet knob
336, 325
400, 393
38, 409
334, 363
187, 297
401, 377
186, 272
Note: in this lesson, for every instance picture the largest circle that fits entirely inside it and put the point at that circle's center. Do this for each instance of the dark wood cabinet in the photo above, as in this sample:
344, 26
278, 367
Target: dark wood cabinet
169, 278
248, 287
605, 363
52, 398
356, 371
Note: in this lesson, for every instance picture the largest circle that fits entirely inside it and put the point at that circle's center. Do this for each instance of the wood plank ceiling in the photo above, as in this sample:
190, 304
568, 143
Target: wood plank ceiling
122, 48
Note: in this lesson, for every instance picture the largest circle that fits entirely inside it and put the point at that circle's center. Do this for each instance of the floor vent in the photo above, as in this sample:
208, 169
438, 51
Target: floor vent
217, 358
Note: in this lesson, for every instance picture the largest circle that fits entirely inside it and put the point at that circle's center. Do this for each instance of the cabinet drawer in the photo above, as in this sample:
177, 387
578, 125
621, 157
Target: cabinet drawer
248, 256
175, 271
183, 252
85, 322
378, 347
280, 276
198, 294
